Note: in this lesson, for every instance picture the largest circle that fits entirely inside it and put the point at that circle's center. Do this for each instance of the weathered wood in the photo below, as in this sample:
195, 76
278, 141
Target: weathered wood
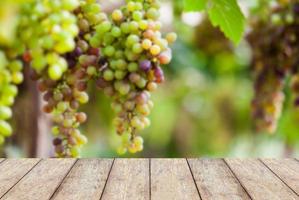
129, 179
215, 180
86, 180
259, 181
12, 170
287, 170
41, 181
172, 179
155, 179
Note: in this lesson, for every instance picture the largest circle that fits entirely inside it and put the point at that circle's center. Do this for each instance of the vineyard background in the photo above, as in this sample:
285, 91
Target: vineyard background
203, 109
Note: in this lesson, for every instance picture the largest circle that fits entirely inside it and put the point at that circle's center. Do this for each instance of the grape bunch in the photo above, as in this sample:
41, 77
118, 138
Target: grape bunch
133, 51
49, 29
275, 48
64, 96
10, 76
83, 66
10, 65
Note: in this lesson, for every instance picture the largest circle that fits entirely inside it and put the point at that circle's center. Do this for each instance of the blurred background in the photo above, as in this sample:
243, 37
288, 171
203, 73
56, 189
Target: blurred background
203, 108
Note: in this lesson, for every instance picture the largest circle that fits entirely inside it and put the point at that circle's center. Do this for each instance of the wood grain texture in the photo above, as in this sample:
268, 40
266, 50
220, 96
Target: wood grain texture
129, 179
86, 180
12, 170
215, 181
259, 181
41, 182
172, 179
287, 170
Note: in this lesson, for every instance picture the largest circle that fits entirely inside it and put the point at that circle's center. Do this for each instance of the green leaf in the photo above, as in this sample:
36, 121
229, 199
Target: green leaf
228, 16
194, 5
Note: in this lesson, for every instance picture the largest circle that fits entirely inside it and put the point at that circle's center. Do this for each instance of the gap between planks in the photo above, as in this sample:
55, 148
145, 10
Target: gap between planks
107, 178
19, 176
128, 179
215, 180
235, 175
63, 179
172, 179
284, 172
259, 181
193, 178
150, 178
45, 176
85, 180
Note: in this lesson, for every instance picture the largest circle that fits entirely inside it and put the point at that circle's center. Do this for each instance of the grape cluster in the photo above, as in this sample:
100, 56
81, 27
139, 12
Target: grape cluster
10, 76
48, 34
65, 95
10, 64
275, 57
132, 49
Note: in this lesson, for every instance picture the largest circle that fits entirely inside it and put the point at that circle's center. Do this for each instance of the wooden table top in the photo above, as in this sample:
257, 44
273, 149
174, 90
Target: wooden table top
158, 179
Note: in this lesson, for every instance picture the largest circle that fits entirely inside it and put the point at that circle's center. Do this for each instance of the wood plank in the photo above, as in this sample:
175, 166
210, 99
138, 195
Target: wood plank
1, 160
287, 170
259, 181
129, 179
215, 180
172, 179
86, 180
41, 181
12, 170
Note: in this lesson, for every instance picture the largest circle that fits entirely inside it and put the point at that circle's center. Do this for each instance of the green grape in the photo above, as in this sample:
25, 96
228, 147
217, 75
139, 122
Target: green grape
134, 26
104, 27
146, 44
109, 51
125, 27
108, 75
137, 48
117, 15
153, 14
5, 113
171, 37
5, 129
55, 72
121, 64
155, 50
116, 32
137, 15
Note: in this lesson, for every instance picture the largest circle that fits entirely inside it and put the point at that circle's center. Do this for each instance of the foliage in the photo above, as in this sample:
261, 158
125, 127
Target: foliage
223, 13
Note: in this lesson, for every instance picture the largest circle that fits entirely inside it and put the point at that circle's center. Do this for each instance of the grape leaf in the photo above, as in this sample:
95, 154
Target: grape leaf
228, 16
223, 13
194, 5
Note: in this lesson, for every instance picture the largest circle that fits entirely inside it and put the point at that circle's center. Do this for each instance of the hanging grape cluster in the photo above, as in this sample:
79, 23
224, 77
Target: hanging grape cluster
68, 44
275, 44
133, 50
10, 76
10, 66
71, 91
48, 45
